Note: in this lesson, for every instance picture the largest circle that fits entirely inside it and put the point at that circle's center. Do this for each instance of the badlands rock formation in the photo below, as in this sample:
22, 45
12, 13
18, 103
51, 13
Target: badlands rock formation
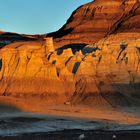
103, 73
97, 19
109, 75
27, 69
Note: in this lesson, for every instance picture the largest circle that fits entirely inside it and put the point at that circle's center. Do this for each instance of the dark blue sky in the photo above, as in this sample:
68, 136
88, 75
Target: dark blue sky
36, 16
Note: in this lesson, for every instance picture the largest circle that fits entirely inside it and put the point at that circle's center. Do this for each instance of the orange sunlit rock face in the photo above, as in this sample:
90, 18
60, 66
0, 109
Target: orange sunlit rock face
105, 73
108, 75
49, 44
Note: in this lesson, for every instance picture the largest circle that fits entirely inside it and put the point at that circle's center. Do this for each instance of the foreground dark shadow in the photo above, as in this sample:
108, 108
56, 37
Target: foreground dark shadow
8, 108
75, 135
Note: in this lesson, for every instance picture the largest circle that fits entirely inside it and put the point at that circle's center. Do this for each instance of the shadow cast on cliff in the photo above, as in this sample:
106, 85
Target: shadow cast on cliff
74, 47
115, 95
60, 33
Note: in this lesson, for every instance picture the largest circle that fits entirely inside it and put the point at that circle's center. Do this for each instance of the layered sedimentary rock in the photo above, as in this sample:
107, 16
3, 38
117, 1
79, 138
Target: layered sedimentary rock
97, 19
107, 75
111, 73
25, 70
103, 73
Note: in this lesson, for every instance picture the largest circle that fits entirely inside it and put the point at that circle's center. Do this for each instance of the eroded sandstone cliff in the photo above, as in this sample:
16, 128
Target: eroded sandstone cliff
109, 74
105, 73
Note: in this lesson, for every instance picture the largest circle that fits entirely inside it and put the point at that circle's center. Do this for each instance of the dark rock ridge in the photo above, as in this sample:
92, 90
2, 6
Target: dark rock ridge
8, 37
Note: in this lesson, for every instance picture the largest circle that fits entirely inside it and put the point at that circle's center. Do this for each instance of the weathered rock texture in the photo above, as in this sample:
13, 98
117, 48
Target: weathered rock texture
111, 73
97, 19
105, 73
26, 71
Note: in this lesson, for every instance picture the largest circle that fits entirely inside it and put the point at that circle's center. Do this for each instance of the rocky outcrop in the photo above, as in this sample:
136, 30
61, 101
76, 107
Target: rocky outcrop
103, 73
26, 71
107, 75
111, 73
98, 19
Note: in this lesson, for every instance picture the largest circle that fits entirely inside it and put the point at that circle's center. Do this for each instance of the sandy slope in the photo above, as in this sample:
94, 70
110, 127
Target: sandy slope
121, 115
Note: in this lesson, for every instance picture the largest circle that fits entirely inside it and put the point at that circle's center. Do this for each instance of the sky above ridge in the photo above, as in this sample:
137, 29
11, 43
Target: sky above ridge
36, 16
